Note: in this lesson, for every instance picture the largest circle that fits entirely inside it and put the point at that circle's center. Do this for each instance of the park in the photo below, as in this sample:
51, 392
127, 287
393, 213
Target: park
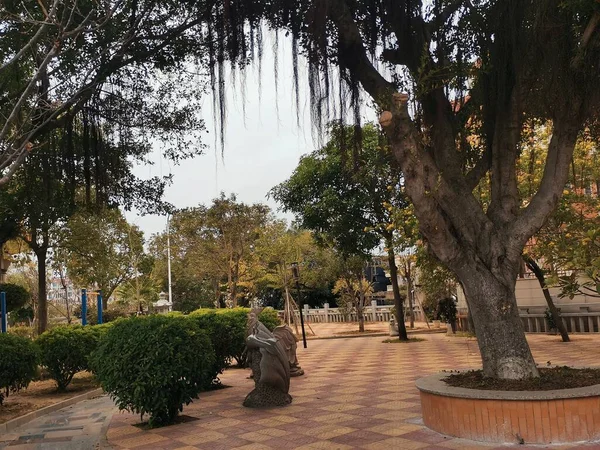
299, 224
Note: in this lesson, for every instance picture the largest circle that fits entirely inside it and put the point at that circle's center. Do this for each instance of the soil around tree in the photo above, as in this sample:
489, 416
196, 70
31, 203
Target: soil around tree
367, 331
40, 394
551, 378
398, 341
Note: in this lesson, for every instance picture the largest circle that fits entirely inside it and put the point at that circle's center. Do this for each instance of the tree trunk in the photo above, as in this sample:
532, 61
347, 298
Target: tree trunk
539, 274
398, 301
500, 334
42, 306
360, 313
409, 293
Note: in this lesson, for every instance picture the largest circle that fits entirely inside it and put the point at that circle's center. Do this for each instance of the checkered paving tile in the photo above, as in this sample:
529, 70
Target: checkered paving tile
356, 393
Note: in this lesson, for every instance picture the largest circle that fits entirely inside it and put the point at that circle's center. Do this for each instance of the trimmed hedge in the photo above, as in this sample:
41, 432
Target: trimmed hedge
64, 351
154, 365
227, 328
18, 363
223, 335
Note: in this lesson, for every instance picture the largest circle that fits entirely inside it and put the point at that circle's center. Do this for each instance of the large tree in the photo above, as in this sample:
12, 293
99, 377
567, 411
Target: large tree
59, 58
212, 246
351, 203
436, 70
103, 250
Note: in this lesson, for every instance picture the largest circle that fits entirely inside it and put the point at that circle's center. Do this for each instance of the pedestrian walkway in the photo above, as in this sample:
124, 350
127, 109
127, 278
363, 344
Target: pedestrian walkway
356, 394
81, 426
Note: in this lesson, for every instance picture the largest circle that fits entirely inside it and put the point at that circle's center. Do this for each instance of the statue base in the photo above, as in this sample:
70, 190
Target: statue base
296, 371
265, 396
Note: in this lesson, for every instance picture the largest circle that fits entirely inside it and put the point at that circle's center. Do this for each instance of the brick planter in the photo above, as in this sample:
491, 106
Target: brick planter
531, 417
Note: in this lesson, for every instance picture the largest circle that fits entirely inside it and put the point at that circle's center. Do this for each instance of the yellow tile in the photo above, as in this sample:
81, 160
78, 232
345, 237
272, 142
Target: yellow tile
141, 440
396, 443
201, 437
393, 429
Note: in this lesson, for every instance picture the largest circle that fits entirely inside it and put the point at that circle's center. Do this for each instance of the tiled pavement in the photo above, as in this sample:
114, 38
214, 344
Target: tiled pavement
357, 393
78, 427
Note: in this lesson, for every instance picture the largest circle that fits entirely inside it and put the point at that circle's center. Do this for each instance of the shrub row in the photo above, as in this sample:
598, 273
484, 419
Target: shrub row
150, 365
155, 365
63, 351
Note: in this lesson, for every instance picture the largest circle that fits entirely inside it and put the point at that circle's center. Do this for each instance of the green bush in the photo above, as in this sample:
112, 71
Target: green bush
154, 365
110, 314
16, 296
26, 332
269, 318
22, 315
18, 363
223, 335
235, 320
64, 351
446, 311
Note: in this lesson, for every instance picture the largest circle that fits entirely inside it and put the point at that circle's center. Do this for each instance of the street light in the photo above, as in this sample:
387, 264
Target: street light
169, 260
296, 277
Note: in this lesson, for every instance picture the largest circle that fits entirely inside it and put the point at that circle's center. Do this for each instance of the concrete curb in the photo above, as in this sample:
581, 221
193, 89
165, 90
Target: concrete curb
434, 384
7, 427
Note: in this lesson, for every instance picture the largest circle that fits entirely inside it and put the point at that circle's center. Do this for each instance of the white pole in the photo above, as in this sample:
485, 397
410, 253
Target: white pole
169, 260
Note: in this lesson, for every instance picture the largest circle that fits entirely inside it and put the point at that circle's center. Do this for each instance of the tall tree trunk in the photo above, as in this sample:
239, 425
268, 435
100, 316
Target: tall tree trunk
409, 293
499, 329
42, 306
398, 301
539, 274
360, 313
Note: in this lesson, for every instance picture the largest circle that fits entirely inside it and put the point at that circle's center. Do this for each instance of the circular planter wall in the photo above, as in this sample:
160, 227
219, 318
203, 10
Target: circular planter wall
531, 417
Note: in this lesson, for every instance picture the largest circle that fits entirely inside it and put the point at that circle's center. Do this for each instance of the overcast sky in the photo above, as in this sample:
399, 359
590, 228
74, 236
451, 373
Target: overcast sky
261, 150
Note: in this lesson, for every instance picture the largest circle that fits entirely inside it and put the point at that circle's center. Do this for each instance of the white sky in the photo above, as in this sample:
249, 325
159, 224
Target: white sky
260, 151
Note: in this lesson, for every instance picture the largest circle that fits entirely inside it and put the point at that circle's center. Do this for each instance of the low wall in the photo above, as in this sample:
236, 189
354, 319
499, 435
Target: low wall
540, 417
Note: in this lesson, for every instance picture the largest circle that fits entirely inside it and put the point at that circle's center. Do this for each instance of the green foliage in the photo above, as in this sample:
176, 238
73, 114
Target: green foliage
223, 334
23, 331
18, 363
64, 351
16, 296
112, 313
436, 280
550, 319
234, 322
102, 249
154, 365
269, 318
21, 315
212, 250
446, 310
277, 247
348, 204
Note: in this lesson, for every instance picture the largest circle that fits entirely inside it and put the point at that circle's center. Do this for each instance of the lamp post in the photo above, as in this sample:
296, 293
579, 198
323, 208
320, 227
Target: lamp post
296, 276
169, 261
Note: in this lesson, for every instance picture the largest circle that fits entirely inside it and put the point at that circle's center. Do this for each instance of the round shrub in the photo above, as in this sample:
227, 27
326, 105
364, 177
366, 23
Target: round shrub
154, 365
64, 351
16, 296
18, 363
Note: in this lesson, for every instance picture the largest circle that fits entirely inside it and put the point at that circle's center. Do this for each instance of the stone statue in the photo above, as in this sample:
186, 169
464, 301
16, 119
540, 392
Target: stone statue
270, 367
288, 339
